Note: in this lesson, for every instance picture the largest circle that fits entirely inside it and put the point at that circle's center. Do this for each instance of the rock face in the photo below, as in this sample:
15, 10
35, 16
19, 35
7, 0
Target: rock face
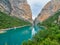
49, 9
18, 8
5, 6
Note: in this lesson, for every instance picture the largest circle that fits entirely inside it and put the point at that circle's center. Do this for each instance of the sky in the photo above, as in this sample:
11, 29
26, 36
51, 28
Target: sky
36, 6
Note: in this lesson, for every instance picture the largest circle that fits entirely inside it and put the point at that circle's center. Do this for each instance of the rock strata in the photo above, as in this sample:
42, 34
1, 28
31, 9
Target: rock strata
49, 9
18, 8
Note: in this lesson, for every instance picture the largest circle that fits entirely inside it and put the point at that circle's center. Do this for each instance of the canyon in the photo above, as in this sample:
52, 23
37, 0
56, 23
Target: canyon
49, 9
22, 10
17, 8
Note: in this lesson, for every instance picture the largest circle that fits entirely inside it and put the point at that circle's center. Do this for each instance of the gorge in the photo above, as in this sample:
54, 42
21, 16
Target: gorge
16, 13
18, 8
49, 9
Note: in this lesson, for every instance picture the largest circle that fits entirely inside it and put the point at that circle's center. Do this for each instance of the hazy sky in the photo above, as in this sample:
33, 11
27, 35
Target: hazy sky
36, 6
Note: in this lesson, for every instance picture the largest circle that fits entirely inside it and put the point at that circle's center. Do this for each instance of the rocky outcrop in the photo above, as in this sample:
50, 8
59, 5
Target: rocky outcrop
18, 8
5, 6
49, 9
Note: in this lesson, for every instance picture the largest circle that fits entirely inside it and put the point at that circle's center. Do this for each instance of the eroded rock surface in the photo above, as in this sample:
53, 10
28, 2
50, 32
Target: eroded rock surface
49, 9
18, 8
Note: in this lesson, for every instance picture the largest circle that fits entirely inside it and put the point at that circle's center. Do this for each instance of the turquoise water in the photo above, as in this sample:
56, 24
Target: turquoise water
17, 36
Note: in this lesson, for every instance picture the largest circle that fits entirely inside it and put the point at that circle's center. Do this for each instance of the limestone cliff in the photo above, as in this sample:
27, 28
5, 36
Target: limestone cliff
49, 9
18, 8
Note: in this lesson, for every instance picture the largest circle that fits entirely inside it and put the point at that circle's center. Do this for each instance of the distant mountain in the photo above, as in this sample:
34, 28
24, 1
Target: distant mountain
49, 9
7, 21
18, 8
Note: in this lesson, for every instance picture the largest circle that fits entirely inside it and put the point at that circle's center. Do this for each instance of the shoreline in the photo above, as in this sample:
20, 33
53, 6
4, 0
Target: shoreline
3, 30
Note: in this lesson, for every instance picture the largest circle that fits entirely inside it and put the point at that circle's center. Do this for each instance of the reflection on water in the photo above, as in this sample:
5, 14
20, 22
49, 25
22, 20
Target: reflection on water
33, 32
2, 32
17, 36
25, 32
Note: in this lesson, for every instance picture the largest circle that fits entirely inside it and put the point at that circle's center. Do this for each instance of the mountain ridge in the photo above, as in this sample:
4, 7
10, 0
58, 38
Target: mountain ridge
18, 8
49, 9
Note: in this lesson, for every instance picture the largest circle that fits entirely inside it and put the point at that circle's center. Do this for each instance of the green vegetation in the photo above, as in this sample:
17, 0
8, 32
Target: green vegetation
52, 19
48, 36
7, 21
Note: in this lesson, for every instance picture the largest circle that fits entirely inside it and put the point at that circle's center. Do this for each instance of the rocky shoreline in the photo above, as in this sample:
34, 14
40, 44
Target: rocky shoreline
4, 30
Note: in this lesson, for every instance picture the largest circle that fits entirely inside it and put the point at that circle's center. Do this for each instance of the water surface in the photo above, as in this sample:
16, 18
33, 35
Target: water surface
18, 35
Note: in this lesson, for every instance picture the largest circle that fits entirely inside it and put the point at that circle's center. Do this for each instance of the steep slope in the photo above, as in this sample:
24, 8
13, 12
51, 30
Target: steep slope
49, 9
18, 8
5, 6
7, 21
54, 19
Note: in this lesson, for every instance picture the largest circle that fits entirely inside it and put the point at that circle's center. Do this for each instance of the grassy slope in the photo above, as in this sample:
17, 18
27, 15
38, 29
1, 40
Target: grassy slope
7, 21
49, 36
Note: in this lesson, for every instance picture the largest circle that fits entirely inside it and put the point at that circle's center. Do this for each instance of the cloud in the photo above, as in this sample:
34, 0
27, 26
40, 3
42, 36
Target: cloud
36, 1
36, 6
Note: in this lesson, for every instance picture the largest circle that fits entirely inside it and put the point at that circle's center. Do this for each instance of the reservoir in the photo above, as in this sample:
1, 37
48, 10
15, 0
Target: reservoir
18, 35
